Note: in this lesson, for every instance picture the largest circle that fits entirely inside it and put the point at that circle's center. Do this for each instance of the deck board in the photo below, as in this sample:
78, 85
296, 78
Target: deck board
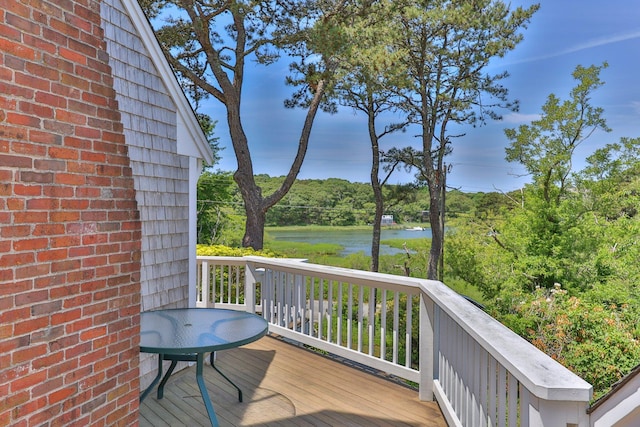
284, 385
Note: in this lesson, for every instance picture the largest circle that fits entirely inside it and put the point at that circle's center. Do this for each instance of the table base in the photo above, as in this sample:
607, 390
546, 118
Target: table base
199, 359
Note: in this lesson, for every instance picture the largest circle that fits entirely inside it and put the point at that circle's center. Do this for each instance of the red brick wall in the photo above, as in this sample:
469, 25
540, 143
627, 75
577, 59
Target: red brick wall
69, 226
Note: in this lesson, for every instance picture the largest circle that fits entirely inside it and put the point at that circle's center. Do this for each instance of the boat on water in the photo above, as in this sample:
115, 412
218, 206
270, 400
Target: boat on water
415, 229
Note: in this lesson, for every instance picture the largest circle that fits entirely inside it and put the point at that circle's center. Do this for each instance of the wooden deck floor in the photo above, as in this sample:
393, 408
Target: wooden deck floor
284, 385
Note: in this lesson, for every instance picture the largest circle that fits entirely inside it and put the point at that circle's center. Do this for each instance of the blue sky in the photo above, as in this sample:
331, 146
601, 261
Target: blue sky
562, 35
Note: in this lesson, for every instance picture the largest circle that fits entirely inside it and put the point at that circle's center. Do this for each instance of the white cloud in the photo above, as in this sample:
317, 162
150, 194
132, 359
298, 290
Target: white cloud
520, 118
597, 42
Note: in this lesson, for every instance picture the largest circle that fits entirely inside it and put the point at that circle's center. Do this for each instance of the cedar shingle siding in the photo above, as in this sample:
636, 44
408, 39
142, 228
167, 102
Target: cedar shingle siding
160, 174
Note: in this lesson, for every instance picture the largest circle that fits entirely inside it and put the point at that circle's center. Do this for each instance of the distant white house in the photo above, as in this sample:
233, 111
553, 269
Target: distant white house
167, 149
387, 220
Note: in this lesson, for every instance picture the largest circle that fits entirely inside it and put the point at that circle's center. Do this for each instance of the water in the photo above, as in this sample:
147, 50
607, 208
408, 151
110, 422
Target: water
353, 241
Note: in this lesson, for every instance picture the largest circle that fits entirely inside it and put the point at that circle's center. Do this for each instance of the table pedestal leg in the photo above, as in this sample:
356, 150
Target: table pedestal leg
155, 380
203, 390
213, 365
166, 377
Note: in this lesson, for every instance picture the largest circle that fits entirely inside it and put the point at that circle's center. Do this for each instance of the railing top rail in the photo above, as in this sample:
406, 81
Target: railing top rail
234, 260
539, 373
367, 278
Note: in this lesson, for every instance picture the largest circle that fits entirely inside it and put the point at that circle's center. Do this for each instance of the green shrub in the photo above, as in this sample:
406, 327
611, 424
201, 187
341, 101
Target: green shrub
221, 250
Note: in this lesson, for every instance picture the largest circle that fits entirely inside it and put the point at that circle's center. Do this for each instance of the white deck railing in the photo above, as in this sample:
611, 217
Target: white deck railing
480, 372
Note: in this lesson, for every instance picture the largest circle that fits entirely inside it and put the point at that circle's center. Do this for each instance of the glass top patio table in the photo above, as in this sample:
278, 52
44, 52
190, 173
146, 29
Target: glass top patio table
187, 334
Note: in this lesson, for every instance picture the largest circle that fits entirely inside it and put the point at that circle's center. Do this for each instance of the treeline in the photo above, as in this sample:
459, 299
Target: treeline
333, 202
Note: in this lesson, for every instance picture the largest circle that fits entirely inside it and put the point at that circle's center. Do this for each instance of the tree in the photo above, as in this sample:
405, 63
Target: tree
208, 44
546, 146
214, 194
369, 73
448, 46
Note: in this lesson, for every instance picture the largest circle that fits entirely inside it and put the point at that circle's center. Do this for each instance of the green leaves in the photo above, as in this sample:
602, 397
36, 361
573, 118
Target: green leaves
546, 146
561, 268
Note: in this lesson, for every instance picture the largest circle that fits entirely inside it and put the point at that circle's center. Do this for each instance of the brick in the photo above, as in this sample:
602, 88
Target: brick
14, 400
13, 260
53, 255
65, 216
66, 341
30, 244
62, 394
9, 47
30, 150
30, 325
10, 33
27, 190
48, 307
37, 110
68, 265
93, 333
39, 43
52, 282
67, 241
38, 70
15, 231
71, 179
66, 317
28, 380
43, 138
43, 417
48, 334
46, 387
33, 82
48, 204
36, 177
31, 271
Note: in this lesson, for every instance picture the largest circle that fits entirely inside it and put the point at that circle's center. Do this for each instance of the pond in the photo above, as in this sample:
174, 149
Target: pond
352, 241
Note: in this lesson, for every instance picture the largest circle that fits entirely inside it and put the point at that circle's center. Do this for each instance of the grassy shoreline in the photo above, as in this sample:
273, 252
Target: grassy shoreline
340, 227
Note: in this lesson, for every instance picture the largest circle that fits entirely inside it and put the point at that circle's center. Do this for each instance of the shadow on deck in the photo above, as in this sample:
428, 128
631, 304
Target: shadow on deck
284, 385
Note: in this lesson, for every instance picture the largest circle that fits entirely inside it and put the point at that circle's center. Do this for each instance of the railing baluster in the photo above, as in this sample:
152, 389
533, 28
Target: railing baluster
372, 319
396, 317
320, 307
502, 397
339, 316
407, 332
482, 387
383, 326
493, 392
360, 316
204, 283
512, 394
330, 312
350, 317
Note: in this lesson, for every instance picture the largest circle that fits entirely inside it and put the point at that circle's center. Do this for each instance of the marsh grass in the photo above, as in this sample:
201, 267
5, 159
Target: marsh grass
329, 254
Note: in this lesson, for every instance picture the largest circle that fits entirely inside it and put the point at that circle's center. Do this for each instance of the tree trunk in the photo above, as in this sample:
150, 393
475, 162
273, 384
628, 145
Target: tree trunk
377, 194
255, 205
436, 230
254, 228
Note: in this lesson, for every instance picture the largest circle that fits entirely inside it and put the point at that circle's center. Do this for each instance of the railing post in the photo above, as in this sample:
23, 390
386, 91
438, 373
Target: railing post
203, 298
251, 276
427, 334
553, 413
